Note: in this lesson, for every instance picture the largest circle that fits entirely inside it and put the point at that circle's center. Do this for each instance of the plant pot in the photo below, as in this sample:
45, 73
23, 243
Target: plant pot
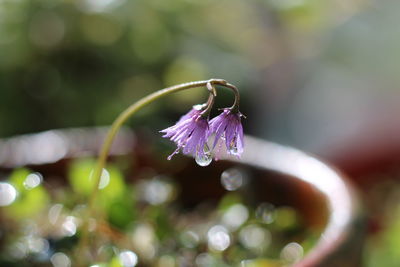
280, 175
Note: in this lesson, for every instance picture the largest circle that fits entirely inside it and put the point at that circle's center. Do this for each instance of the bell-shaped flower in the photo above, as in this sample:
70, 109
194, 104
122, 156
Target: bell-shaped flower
227, 128
190, 134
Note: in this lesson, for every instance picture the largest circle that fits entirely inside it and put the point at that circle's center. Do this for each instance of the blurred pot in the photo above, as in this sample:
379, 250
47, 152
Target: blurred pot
281, 175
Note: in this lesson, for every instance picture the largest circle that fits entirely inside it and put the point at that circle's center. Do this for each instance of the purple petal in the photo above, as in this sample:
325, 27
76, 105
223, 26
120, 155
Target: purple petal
195, 143
228, 125
189, 133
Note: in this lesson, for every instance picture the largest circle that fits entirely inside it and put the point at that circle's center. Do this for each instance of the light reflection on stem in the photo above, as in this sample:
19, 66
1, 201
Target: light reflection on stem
121, 119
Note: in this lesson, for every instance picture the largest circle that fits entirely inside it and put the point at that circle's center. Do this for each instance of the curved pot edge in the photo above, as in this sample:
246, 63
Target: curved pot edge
343, 225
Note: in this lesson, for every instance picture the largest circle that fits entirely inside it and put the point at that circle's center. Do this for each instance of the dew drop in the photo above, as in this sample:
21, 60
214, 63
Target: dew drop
205, 159
233, 150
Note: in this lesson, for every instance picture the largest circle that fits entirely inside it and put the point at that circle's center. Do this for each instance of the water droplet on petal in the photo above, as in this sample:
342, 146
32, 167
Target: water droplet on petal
233, 150
205, 159
7, 194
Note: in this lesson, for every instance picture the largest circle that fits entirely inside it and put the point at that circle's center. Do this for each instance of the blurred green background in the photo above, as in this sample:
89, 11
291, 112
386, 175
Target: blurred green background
66, 63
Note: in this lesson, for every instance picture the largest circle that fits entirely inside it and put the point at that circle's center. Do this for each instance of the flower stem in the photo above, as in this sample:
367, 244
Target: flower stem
235, 106
121, 119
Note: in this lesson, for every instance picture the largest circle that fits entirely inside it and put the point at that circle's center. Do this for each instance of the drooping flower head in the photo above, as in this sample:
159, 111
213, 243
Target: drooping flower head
192, 131
190, 134
227, 127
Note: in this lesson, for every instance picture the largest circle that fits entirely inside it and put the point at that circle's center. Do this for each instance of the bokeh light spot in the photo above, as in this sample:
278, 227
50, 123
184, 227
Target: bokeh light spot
69, 226
59, 259
255, 237
265, 212
33, 180
218, 238
7, 194
232, 179
128, 259
235, 216
292, 252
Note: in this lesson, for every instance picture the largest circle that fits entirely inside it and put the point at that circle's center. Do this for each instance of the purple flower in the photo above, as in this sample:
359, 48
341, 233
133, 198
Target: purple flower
189, 134
194, 111
228, 127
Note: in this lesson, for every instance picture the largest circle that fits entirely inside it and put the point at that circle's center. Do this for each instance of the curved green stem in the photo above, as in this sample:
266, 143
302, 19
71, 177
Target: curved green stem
121, 119
210, 102
235, 106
